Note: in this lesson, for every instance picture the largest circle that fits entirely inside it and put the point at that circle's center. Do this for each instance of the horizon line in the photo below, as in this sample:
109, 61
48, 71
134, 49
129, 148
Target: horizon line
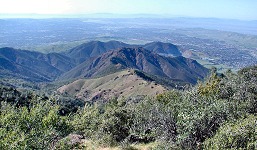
106, 15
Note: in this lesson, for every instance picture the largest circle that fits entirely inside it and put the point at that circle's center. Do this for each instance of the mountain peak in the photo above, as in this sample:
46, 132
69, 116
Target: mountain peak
163, 48
98, 58
93, 49
96, 48
177, 68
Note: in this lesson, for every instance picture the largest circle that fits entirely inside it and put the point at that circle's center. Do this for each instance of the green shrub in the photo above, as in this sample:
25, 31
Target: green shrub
182, 118
196, 116
107, 123
152, 120
241, 134
205, 116
87, 120
34, 128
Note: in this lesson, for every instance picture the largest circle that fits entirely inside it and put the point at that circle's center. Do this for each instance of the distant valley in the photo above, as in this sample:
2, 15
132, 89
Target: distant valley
225, 44
171, 53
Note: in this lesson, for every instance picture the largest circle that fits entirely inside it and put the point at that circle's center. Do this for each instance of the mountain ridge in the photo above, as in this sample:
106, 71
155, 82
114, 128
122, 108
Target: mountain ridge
176, 68
91, 49
40, 67
123, 84
95, 48
35, 65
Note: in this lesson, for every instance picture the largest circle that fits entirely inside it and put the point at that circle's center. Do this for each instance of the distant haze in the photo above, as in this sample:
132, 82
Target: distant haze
232, 9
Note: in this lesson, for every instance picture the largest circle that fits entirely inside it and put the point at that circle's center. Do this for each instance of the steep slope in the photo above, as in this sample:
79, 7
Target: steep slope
33, 66
174, 68
92, 49
59, 61
122, 84
163, 48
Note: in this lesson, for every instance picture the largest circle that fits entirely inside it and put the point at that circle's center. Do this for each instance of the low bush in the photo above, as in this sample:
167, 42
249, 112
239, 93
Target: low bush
240, 134
218, 113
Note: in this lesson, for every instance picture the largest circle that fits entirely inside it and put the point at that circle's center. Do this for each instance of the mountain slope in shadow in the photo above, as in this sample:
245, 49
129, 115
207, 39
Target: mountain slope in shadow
174, 68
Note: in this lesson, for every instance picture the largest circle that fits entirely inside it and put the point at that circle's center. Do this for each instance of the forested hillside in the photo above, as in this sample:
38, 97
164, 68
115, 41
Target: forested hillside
219, 113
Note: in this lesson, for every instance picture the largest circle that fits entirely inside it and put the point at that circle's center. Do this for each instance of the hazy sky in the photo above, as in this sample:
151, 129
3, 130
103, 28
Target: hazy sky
234, 9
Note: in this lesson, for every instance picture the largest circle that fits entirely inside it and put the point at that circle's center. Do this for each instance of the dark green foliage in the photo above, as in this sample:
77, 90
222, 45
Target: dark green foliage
196, 117
18, 98
185, 119
116, 122
152, 121
177, 84
109, 123
241, 88
69, 105
241, 134
29, 121
143, 75
219, 113
217, 100
34, 129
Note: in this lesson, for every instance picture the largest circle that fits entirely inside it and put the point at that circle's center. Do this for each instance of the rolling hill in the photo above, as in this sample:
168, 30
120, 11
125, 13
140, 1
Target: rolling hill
174, 68
163, 48
121, 84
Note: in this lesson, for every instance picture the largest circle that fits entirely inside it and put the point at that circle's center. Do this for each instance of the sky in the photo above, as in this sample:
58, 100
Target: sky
232, 9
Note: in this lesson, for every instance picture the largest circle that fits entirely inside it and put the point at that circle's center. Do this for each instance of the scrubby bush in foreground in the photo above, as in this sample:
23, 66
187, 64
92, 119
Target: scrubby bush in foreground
241, 134
34, 126
219, 113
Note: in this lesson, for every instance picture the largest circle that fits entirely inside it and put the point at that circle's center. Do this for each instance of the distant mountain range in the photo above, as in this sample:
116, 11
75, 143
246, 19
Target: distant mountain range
95, 59
96, 48
93, 49
175, 68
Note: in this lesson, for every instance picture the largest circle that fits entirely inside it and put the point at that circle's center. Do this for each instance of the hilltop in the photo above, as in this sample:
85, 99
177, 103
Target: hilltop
123, 84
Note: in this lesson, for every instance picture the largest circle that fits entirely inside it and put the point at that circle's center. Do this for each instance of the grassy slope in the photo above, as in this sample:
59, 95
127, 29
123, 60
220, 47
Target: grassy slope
120, 84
